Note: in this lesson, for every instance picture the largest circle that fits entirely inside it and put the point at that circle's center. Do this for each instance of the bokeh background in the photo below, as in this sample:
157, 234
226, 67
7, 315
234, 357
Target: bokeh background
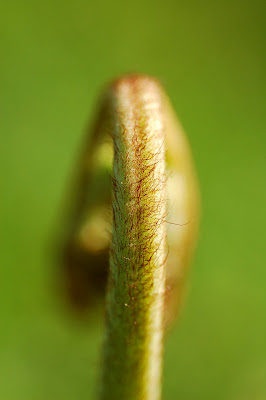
55, 57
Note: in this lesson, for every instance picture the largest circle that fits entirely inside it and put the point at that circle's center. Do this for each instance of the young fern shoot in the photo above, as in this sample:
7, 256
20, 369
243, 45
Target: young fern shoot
153, 195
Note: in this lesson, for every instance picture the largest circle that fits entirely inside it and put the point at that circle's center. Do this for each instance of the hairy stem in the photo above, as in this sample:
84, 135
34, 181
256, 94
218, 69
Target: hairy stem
134, 316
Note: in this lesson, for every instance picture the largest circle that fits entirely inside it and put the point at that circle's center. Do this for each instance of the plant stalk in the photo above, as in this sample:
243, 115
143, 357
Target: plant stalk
132, 356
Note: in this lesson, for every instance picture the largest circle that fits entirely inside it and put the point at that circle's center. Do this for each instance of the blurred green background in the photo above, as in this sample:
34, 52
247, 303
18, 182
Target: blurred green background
55, 57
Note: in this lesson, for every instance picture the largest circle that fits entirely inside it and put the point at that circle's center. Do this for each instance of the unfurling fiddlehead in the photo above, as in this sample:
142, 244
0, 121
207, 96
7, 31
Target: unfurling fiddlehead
154, 218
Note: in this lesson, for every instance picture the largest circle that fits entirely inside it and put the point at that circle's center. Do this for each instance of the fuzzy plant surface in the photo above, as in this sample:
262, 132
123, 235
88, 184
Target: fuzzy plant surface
140, 223
136, 286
